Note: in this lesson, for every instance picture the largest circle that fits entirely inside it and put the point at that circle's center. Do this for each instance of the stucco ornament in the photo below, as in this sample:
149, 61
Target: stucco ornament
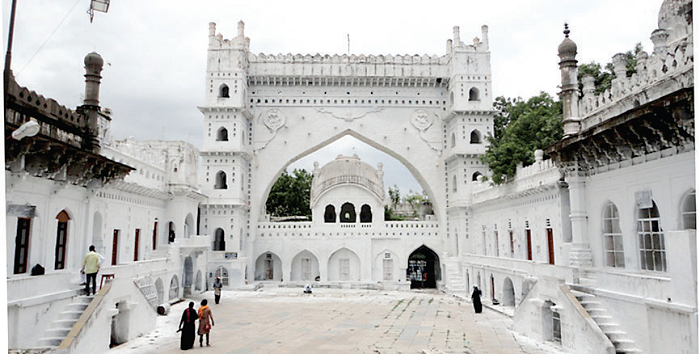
421, 119
274, 119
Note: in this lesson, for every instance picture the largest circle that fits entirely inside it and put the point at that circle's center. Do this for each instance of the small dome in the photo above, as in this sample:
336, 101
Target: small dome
567, 48
93, 59
347, 170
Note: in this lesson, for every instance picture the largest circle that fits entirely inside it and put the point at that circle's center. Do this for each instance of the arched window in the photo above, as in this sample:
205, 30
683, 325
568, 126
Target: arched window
222, 134
688, 211
475, 137
366, 213
612, 237
475, 176
220, 180
473, 94
223, 91
652, 249
61, 239
347, 213
329, 215
223, 273
219, 240
454, 141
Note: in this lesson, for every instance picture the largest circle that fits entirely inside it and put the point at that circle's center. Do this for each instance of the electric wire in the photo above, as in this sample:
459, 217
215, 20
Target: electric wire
48, 39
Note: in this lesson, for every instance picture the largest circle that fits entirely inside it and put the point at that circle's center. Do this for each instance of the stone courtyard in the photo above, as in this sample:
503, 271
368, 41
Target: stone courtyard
284, 320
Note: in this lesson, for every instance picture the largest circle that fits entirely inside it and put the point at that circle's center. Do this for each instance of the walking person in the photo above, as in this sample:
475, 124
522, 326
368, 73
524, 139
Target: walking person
217, 289
91, 265
187, 327
476, 299
206, 320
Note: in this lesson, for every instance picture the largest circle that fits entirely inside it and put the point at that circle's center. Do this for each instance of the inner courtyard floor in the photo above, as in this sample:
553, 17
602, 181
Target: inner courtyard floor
285, 320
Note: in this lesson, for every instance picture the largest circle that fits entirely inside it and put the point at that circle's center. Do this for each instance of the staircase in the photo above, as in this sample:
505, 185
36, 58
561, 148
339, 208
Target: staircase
62, 325
455, 281
623, 344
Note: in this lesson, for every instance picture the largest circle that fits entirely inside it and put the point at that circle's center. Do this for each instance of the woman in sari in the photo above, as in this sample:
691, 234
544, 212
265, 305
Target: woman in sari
206, 320
187, 327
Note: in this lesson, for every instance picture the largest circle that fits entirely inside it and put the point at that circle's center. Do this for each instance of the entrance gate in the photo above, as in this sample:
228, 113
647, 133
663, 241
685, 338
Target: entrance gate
423, 268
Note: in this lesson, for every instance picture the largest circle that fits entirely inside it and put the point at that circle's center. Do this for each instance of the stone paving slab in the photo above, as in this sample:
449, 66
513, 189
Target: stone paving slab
284, 320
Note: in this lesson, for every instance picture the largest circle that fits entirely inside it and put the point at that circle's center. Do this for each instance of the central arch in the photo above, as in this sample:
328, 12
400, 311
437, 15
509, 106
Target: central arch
423, 268
421, 170
344, 265
268, 266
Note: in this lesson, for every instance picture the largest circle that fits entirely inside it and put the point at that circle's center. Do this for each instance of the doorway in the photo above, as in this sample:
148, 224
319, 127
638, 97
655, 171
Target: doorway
423, 268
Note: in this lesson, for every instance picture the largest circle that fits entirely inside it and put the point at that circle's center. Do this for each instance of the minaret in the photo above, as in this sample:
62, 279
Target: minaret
569, 84
91, 104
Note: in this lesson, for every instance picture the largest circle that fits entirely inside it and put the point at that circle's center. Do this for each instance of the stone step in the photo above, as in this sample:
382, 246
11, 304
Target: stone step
609, 327
58, 324
616, 335
628, 351
57, 332
623, 344
70, 315
50, 342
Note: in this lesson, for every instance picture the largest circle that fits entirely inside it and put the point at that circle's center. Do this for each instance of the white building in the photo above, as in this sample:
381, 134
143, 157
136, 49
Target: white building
69, 187
594, 249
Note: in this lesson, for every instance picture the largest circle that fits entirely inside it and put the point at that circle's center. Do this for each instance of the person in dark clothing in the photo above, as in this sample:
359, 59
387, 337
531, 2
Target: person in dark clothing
187, 336
217, 289
476, 299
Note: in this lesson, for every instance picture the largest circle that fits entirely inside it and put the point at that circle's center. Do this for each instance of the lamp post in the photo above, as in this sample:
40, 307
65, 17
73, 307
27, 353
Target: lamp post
8, 55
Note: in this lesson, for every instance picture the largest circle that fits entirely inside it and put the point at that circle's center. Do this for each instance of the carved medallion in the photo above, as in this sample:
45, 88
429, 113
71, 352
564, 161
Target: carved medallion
274, 119
421, 119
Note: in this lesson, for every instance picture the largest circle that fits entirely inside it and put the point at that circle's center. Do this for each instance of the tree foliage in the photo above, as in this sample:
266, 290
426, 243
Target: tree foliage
604, 75
524, 126
290, 194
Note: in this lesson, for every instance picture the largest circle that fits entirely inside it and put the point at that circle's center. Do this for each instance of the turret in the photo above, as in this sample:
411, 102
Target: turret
90, 108
569, 84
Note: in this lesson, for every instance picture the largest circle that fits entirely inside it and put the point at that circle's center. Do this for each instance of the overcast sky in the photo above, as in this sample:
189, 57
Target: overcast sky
155, 50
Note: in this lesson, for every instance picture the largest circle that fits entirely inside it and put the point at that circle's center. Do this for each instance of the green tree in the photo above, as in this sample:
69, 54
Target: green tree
604, 76
290, 194
530, 125
394, 195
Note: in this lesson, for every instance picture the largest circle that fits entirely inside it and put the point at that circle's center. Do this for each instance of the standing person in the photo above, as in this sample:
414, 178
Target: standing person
476, 299
217, 289
187, 327
206, 320
91, 265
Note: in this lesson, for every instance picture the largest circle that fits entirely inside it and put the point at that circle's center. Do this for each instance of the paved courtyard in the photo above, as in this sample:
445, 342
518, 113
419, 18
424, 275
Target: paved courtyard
284, 320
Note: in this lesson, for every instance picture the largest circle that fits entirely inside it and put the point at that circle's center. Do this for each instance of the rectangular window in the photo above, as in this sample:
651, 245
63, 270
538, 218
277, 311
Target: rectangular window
550, 245
652, 248
512, 244
529, 244
388, 269
137, 236
495, 240
556, 327
344, 269
61, 236
22, 245
115, 246
305, 269
155, 235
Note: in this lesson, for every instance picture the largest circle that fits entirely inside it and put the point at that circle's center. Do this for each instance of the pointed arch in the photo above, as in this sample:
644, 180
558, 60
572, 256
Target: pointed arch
474, 94
366, 213
423, 268
222, 134
612, 236
219, 240
268, 266
347, 212
189, 225
688, 215
174, 292
220, 180
344, 265
329, 215
61, 239
305, 266
475, 137
508, 295
475, 176
223, 91
650, 238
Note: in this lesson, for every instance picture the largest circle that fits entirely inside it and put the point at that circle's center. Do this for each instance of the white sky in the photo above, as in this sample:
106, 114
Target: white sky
156, 49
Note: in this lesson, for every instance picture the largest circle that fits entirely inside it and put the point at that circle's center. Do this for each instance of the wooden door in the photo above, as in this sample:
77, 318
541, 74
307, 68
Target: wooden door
155, 235
115, 246
137, 236
529, 244
550, 245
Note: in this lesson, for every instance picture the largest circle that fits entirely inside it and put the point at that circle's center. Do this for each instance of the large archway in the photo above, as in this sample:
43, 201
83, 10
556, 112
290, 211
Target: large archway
305, 267
423, 268
271, 168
